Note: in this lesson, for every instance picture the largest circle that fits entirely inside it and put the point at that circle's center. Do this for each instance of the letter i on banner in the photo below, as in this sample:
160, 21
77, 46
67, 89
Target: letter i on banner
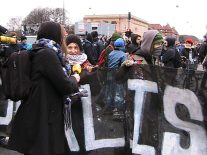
140, 87
90, 141
171, 142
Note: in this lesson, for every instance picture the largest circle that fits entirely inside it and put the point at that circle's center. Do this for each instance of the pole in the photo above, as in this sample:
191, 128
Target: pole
129, 18
63, 13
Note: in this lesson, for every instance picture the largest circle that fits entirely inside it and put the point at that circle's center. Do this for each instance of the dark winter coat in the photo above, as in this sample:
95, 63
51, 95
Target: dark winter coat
171, 58
88, 49
202, 51
38, 127
133, 46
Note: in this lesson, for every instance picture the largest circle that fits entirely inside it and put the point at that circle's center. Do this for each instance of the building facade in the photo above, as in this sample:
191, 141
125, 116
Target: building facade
121, 22
165, 30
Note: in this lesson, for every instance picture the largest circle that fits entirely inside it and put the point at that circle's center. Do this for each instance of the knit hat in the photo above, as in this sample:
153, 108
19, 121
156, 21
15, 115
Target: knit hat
158, 38
74, 39
119, 43
115, 36
189, 40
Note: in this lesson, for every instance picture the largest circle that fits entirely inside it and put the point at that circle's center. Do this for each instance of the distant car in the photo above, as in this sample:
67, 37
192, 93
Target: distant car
31, 39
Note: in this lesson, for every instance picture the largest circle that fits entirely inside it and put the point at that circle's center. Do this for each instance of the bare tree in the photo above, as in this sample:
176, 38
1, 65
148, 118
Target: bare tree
14, 24
40, 15
37, 16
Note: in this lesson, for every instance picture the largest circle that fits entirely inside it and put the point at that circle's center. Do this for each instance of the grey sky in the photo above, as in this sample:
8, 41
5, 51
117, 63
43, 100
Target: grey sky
188, 17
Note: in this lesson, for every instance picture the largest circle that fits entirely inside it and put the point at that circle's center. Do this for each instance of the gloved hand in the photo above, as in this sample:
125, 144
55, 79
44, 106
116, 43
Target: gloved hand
127, 63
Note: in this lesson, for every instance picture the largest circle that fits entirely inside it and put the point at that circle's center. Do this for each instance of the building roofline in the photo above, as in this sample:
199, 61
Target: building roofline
111, 16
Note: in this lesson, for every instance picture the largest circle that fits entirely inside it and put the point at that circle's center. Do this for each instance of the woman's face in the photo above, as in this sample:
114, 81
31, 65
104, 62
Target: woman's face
73, 49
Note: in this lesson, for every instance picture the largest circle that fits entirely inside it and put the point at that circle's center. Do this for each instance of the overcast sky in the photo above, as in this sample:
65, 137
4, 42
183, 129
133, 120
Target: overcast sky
187, 16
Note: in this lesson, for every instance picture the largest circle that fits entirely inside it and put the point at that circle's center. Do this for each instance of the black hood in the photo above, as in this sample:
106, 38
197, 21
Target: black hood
170, 41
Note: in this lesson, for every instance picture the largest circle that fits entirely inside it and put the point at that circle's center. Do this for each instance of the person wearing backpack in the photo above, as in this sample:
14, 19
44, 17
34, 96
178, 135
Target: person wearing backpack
103, 58
97, 45
38, 126
88, 49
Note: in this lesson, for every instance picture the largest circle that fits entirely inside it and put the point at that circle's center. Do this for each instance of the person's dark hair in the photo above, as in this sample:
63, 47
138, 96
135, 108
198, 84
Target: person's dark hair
74, 39
170, 41
23, 38
50, 30
89, 37
134, 38
94, 34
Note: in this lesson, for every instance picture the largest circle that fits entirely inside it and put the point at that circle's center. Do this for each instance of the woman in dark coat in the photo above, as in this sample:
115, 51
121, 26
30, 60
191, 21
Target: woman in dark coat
38, 127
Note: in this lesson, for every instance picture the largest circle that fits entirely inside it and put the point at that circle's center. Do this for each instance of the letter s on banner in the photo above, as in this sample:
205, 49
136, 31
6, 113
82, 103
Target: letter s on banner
171, 142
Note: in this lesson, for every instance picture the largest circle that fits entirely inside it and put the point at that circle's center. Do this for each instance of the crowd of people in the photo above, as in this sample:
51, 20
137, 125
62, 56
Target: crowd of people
38, 127
169, 52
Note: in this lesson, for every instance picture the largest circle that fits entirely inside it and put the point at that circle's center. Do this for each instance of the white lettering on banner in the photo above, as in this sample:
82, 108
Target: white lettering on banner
140, 87
71, 139
171, 141
7, 119
90, 142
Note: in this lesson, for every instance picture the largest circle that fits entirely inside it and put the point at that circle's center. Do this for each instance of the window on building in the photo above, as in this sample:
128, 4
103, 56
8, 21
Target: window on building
94, 28
113, 22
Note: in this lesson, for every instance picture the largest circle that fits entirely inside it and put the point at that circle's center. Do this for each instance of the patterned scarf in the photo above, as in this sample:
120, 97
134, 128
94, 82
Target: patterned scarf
76, 59
57, 48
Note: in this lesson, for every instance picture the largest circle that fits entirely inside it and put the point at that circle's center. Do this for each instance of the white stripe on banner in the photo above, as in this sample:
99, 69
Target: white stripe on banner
6, 120
140, 87
90, 142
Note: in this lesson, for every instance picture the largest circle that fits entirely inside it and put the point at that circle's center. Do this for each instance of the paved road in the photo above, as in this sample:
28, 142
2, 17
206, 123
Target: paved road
4, 151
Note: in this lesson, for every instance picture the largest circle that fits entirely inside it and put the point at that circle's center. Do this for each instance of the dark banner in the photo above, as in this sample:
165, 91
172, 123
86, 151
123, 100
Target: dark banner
146, 110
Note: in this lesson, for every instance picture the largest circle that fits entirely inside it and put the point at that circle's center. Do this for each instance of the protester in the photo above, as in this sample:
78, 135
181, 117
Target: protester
88, 49
171, 57
38, 127
135, 45
189, 51
23, 45
103, 58
203, 52
75, 53
116, 93
74, 56
98, 46
149, 53
118, 55
150, 50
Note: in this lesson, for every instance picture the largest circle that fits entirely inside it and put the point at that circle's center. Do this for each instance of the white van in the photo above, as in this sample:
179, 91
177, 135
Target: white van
31, 39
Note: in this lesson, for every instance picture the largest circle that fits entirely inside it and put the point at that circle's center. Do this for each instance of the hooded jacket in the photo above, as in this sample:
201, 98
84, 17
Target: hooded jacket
146, 46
